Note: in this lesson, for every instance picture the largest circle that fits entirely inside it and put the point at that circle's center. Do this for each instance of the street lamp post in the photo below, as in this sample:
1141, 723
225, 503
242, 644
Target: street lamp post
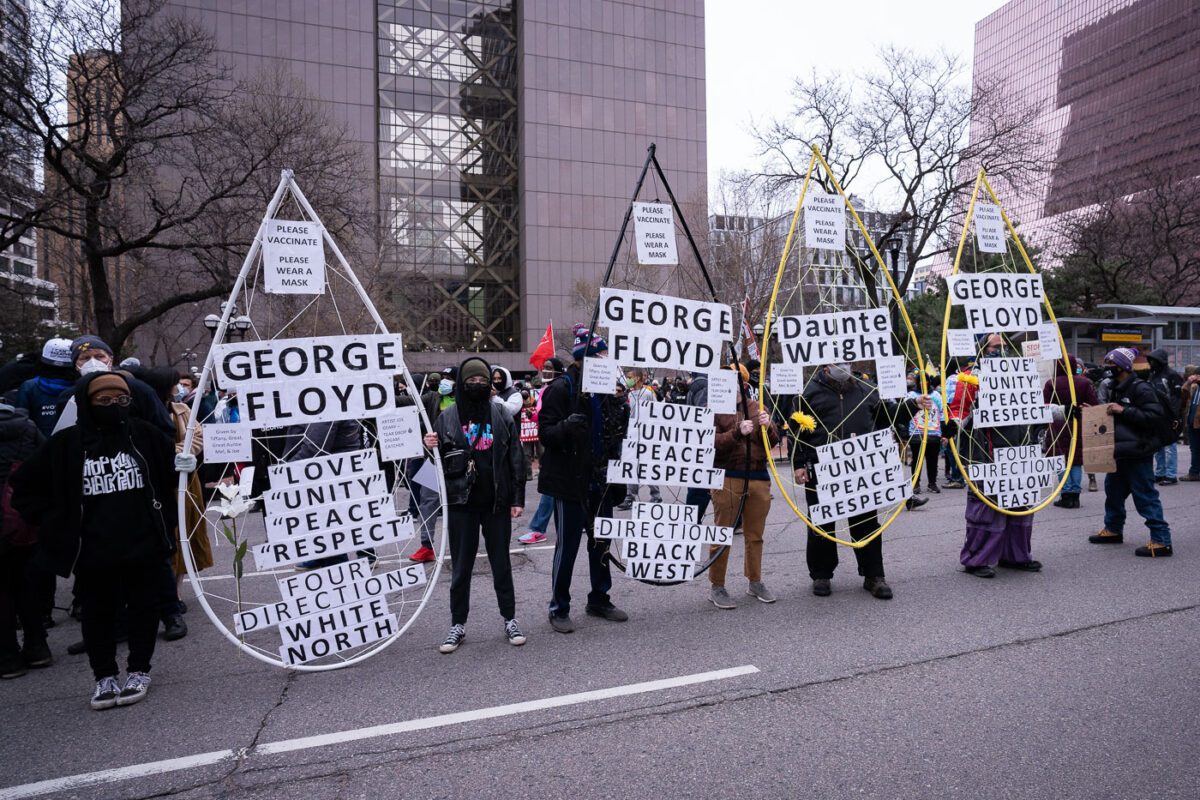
893, 244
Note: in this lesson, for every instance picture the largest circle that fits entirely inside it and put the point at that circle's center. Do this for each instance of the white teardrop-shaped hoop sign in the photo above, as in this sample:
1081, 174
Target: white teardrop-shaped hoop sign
308, 533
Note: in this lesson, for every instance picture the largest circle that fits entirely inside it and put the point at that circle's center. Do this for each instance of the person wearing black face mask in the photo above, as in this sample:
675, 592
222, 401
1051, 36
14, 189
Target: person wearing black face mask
103, 492
484, 468
1138, 420
843, 406
503, 391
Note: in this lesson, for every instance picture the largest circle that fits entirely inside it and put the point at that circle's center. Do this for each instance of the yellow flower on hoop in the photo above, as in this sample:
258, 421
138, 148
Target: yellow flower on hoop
967, 377
804, 422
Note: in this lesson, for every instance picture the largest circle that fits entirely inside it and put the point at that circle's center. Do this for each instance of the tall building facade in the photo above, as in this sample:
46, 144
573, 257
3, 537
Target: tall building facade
1116, 82
503, 137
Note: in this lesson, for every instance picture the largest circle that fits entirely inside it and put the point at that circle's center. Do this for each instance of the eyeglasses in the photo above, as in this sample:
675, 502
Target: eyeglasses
105, 400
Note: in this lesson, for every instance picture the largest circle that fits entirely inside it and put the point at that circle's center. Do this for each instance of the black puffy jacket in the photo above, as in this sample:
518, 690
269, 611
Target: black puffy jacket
1136, 429
570, 463
842, 412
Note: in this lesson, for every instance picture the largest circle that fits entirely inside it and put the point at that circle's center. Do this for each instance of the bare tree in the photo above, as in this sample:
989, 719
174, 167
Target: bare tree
157, 164
915, 124
1141, 248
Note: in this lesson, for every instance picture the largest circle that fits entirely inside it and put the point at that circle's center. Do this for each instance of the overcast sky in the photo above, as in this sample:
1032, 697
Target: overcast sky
755, 48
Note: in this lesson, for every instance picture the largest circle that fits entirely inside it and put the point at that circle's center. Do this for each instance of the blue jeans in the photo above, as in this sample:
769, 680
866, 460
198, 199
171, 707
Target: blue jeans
1166, 462
1074, 484
1194, 443
1134, 477
953, 473
541, 517
571, 520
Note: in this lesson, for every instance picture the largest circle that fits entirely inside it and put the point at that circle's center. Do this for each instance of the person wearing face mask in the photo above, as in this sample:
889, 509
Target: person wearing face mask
843, 406
1138, 421
91, 355
580, 433
484, 469
103, 492
552, 369
992, 537
503, 391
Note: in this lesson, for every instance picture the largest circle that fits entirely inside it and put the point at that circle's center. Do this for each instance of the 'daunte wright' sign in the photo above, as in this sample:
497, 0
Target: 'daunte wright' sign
845, 336
300, 381
327, 506
654, 330
857, 475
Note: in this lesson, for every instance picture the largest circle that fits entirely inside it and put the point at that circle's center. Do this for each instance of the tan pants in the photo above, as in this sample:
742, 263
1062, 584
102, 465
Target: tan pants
754, 518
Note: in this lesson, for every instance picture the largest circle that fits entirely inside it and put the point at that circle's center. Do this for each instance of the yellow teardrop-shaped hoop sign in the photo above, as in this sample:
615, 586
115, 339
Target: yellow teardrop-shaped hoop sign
1024, 265
917, 359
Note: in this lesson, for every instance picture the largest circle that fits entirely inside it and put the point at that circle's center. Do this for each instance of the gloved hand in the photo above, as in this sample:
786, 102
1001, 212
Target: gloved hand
949, 429
578, 421
185, 462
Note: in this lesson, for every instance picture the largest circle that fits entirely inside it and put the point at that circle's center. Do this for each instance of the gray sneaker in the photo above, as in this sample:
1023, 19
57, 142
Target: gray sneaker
759, 589
720, 598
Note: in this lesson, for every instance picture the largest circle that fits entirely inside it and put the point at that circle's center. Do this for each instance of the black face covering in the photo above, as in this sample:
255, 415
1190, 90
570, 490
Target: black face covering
1110, 373
498, 386
109, 416
475, 392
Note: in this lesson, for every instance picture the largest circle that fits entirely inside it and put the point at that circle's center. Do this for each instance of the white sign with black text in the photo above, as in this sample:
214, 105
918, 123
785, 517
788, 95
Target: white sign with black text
293, 254
654, 231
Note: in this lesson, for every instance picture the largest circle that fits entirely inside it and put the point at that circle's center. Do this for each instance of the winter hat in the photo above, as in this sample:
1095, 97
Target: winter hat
474, 368
741, 368
57, 353
88, 342
107, 380
1123, 357
450, 372
596, 345
1159, 355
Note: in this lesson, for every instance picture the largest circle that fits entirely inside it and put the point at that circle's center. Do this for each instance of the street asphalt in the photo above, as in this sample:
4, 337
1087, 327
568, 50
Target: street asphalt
1082, 681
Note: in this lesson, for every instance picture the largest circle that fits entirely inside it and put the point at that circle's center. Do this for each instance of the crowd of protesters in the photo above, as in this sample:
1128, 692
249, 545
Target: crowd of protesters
90, 450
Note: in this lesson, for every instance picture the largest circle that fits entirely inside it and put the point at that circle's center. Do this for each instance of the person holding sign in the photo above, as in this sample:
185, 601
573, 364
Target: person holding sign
746, 477
484, 469
1138, 420
844, 407
580, 434
635, 384
992, 537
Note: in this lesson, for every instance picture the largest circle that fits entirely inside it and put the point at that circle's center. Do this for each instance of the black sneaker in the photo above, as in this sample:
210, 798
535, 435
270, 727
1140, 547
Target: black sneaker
878, 588
1105, 536
562, 624
77, 648
982, 572
1154, 550
12, 666
136, 686
821, 587
1023, 566
608, 612
1168, 482
37, 654
513, 633
933, 487
174, 628
916, 502
107, 691
454, 639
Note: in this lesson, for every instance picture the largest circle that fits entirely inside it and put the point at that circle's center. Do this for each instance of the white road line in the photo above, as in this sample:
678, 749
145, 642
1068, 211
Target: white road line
148, 769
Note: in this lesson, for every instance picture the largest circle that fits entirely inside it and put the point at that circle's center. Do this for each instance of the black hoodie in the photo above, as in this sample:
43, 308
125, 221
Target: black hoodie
128, 508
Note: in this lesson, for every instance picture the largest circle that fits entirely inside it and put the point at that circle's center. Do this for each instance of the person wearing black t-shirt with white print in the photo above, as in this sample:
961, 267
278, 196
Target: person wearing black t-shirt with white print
103, 492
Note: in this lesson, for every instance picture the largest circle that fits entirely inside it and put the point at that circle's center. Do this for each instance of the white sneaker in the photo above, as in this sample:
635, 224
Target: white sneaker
107, 690
136, 686
457, 634
515, 637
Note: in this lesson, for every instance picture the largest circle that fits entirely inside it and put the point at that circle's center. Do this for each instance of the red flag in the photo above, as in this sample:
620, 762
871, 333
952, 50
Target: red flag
545, 348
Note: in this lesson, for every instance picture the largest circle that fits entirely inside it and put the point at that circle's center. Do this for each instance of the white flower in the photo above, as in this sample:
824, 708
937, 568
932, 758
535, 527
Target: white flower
233, 505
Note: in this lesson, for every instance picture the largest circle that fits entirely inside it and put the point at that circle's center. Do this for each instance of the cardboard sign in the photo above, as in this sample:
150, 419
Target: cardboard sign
654, 232
824, 221
1097, 439
293, 255
228, 443
989, 229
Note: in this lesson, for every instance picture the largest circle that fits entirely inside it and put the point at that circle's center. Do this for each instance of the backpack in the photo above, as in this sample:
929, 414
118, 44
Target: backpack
1170, 429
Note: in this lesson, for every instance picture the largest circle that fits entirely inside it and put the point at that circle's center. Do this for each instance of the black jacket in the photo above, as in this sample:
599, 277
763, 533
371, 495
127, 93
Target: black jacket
840, 413
507, 454
1136, 430
570, 464
48, 488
